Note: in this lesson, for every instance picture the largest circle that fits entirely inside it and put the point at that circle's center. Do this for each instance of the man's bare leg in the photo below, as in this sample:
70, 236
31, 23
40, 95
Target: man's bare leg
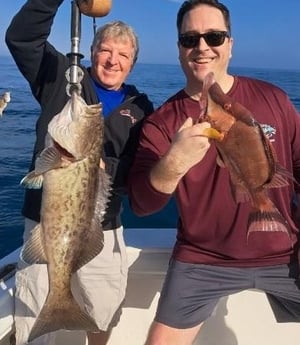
162, 334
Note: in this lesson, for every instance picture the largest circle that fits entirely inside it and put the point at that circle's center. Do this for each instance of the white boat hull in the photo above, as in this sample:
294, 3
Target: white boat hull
244, 318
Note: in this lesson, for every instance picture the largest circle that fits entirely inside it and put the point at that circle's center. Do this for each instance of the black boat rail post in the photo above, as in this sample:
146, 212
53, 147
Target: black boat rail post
6, 272
74, 73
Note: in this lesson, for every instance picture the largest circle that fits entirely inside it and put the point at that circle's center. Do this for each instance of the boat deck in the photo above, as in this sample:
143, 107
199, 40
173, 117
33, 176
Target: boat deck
241, 319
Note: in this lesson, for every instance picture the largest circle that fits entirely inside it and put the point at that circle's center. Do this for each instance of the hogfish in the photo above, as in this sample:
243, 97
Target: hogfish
247, 153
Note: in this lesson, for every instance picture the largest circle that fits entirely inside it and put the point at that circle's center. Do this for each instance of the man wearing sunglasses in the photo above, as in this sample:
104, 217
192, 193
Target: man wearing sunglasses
213, 257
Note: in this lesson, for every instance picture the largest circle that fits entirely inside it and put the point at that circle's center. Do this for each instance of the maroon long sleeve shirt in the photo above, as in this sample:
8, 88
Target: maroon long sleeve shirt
212, 227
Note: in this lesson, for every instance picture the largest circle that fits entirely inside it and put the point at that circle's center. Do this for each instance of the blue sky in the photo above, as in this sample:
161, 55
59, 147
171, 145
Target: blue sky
266, 33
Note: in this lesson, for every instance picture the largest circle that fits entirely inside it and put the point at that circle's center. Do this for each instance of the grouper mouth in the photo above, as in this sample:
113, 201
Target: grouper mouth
64, 152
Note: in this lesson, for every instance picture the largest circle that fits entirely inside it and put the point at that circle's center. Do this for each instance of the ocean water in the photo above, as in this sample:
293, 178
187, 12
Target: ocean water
17, 131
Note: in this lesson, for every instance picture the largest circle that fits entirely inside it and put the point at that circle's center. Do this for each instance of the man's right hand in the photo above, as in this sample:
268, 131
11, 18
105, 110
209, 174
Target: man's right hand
188, 148
189, 145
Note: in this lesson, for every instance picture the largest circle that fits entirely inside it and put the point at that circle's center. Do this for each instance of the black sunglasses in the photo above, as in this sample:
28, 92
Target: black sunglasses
212, 38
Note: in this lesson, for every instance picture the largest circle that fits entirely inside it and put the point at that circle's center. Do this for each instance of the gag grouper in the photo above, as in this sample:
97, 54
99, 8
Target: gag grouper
75, 193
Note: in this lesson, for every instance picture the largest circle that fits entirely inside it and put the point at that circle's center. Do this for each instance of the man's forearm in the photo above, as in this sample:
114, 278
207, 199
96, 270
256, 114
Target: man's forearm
164, 176
27, 34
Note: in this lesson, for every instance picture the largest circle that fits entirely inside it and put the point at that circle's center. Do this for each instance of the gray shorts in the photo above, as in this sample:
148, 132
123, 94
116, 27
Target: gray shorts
191, 291
99, 287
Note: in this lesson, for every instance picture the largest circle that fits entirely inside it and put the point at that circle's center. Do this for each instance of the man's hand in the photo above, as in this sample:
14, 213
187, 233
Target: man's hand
102, 164
187, 149
189, 146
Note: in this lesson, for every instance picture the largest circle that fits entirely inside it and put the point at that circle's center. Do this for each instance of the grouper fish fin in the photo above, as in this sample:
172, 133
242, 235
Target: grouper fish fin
33, 249
32, 181
49, 159
64, 313
103, 194
95, 242
92, 247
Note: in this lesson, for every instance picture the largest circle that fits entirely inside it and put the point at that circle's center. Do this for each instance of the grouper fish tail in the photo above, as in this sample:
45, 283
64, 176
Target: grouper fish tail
65, 314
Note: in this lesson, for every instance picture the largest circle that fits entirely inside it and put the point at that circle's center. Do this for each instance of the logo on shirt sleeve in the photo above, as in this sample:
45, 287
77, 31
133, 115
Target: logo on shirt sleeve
126, 112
